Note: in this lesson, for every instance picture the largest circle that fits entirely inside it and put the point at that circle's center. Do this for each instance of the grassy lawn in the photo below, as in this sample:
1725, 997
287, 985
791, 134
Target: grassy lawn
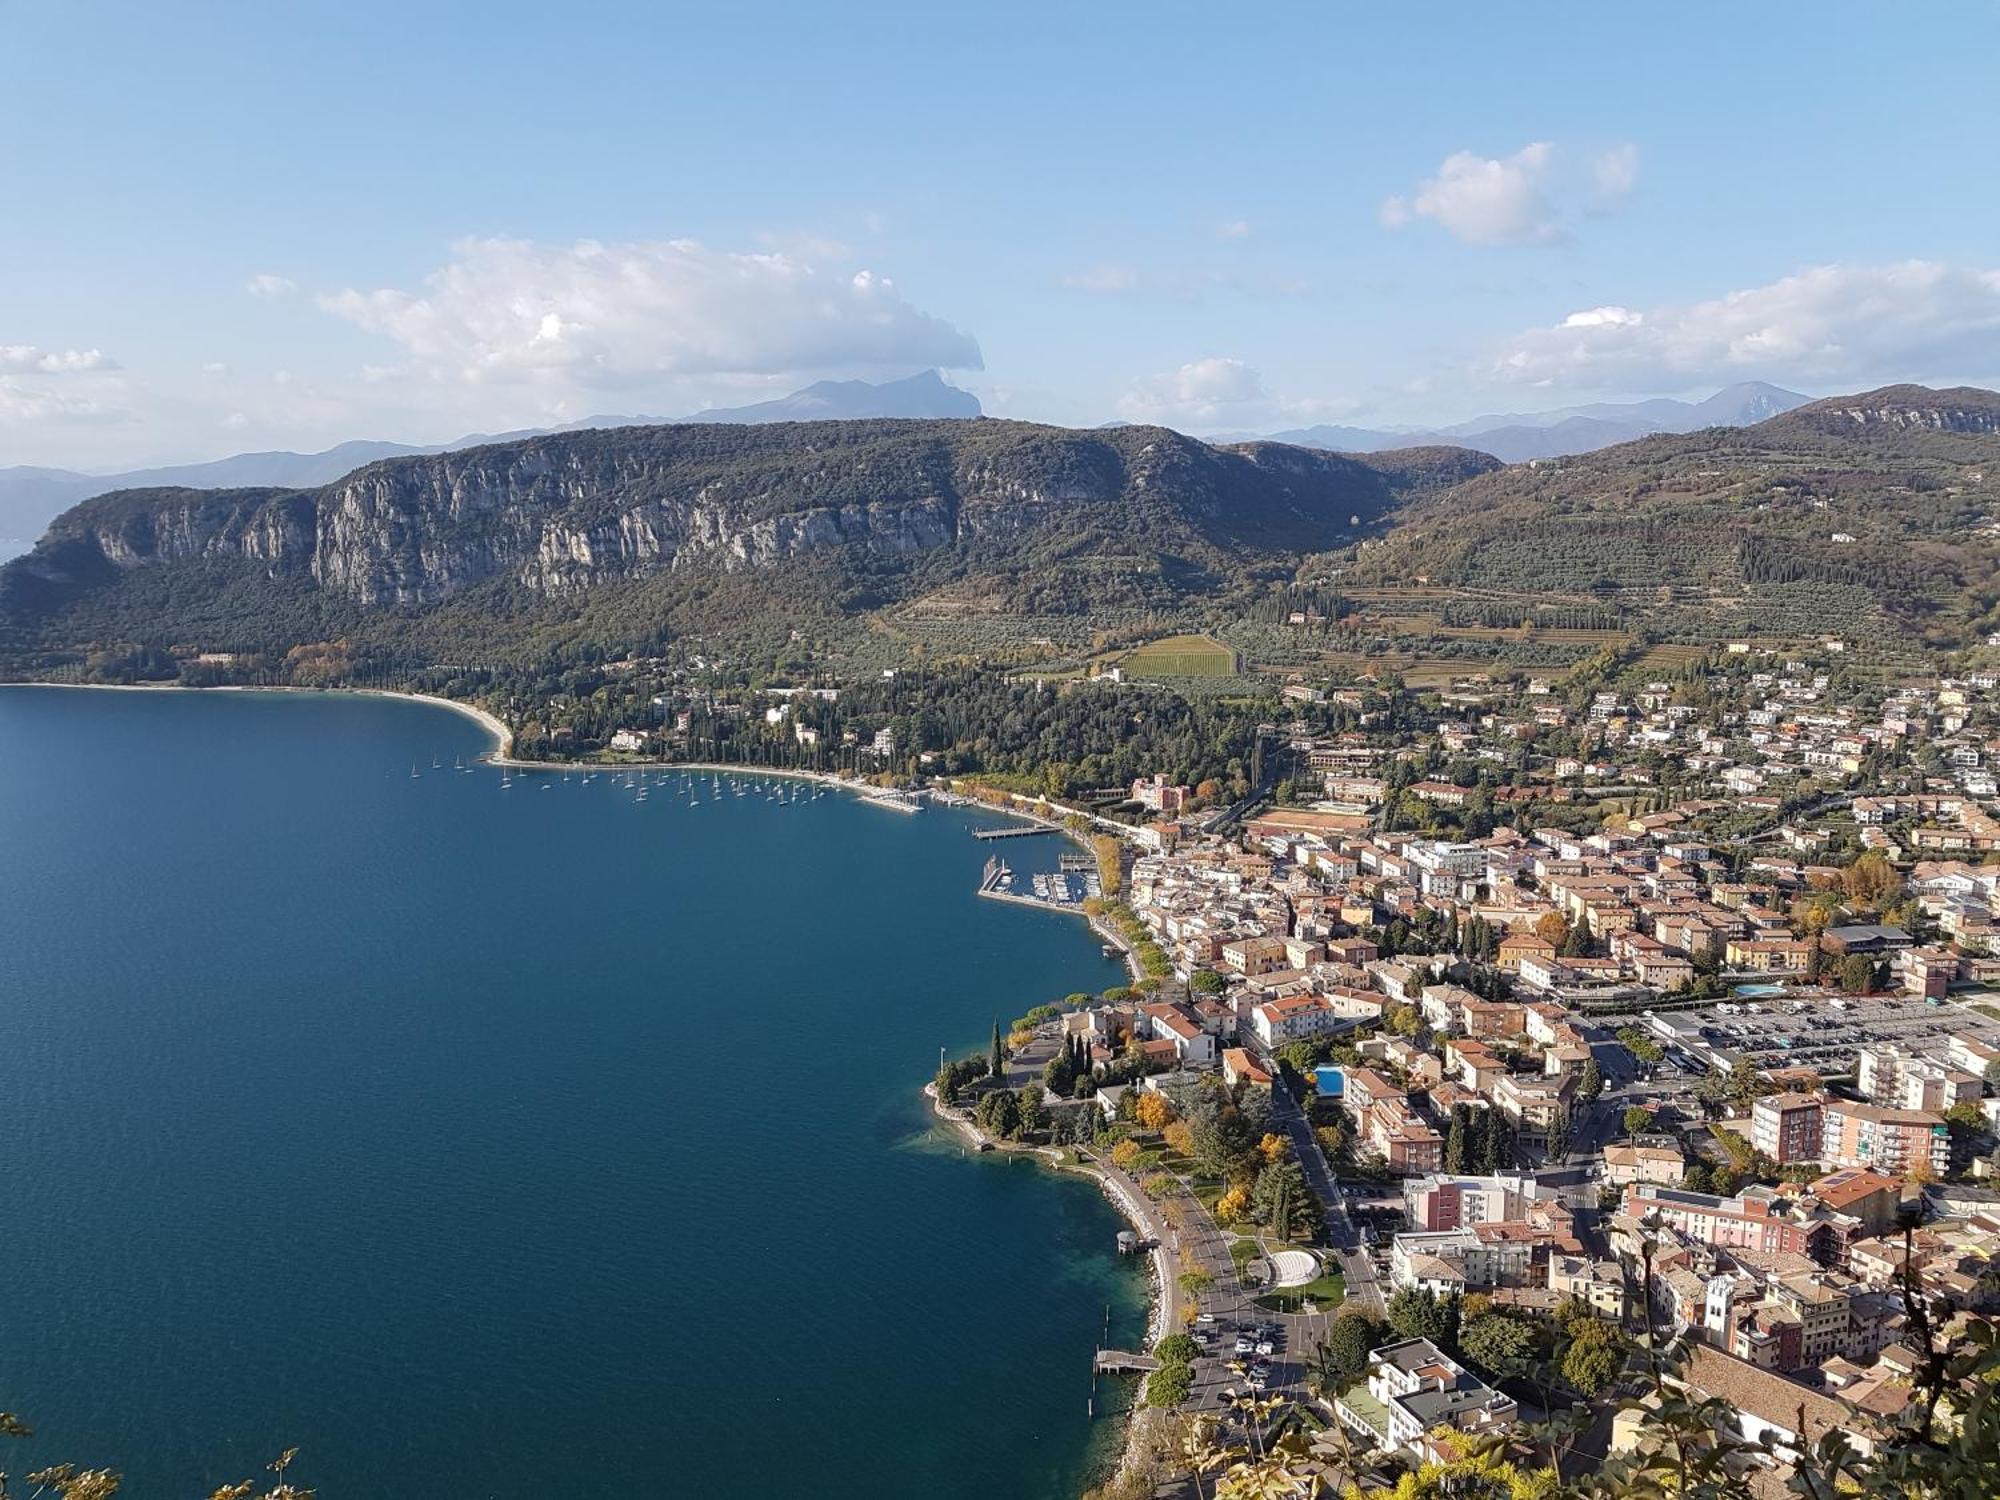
1242, 1252
1325, 1294
1207, 1194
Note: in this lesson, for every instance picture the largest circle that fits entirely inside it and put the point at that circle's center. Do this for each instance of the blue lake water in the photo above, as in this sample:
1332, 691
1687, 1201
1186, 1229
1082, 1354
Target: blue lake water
523, 1143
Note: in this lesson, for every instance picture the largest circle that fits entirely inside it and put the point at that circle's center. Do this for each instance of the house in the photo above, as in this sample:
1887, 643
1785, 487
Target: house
1238, 1066
1193, 1046
1626, 1164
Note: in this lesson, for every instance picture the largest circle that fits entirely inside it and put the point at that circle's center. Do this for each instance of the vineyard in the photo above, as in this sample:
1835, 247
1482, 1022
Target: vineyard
1180, 656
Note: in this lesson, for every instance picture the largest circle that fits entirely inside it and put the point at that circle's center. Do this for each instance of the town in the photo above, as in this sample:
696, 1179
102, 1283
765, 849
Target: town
1461, 1087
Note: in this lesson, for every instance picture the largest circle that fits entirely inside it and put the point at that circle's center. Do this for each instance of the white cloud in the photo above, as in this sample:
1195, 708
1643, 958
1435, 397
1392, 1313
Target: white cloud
268, 285
1200, 393
1869, 325
1614, 173
1102, 279
597, 315
1233, 229
1604, 317
45, 388
1485, 200
26, 359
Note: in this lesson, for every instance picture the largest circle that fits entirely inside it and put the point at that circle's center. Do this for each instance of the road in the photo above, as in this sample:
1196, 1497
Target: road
1345, 1240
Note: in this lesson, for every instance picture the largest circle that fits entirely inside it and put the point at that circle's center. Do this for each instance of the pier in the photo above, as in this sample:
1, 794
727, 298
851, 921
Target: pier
1125, 1362
1010, 833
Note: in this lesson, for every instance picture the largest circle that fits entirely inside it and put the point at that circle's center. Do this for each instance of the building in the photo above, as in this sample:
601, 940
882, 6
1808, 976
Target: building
1434, 1203
1755, 1219
1155, 794
1253, 956
1294, 1018
1413, 1390
1238, 1066
1193, 1046
1787, 1127
1888, 1075
1889, 1140
1627, 1164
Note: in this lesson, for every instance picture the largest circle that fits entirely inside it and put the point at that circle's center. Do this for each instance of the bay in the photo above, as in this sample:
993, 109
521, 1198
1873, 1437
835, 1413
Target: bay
529, 1142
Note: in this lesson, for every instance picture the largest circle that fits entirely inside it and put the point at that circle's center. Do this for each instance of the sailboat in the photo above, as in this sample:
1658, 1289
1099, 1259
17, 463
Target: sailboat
414, 772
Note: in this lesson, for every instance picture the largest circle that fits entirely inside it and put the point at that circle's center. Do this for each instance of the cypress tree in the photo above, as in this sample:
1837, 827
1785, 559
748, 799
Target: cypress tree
998, 1062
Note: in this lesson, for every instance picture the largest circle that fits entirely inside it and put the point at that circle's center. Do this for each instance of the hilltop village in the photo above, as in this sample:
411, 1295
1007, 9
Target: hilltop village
1433, 1111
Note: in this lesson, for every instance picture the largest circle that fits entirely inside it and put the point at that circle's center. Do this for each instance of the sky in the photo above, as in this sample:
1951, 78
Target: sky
229, 227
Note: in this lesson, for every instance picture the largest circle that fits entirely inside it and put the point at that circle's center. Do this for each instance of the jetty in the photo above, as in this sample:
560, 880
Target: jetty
895, 801
1011, 833
1125, 1362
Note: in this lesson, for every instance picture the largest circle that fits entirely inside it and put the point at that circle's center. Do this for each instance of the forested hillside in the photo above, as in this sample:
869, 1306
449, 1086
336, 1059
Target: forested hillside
634, 534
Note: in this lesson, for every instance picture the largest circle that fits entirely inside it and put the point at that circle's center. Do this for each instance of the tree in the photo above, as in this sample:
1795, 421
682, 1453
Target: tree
1636, 1118
1559, 1135
1153, 1110
1124, 1153
1282, 1201
997, 1063
1273, 1148
1505, 1347
999, 1114
1343, 1355
1746, 1083
1496, 1143
1590, 1083
1233, 1207
1170, 1385
1552, 929
1594, 1358
1221, 1143
1206, 982
1033, 1112
1179, 1139
1857, 974
1416, 1313
1455, 1140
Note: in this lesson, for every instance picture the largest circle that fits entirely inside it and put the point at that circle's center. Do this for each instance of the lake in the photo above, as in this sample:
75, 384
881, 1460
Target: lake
538, 1141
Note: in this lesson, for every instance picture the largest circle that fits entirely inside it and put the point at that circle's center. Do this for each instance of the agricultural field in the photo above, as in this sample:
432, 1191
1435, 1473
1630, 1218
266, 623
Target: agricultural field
1180, 656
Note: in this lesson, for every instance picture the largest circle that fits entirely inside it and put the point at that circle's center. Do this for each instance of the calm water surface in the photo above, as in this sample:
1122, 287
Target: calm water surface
536, 1143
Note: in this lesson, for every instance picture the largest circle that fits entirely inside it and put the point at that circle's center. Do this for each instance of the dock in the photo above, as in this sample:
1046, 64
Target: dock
894, 801
1010, 833
1125, 1362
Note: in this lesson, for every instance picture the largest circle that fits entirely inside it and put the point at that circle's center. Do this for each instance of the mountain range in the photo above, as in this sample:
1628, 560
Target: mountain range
1868, 518
31, 497
1517, 437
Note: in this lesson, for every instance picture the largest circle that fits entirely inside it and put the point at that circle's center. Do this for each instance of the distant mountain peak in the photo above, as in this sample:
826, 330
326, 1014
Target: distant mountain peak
925, 394
1517, 437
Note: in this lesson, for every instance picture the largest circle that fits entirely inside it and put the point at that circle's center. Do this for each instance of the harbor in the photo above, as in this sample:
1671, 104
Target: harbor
1058, 890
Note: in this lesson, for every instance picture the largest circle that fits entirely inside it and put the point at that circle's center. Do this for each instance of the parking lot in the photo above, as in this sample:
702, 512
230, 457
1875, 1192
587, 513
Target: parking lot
1806, 1030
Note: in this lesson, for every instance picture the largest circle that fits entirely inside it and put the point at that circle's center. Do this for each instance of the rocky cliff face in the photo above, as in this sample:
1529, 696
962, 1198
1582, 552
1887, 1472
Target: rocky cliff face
1902, 408
561, 514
